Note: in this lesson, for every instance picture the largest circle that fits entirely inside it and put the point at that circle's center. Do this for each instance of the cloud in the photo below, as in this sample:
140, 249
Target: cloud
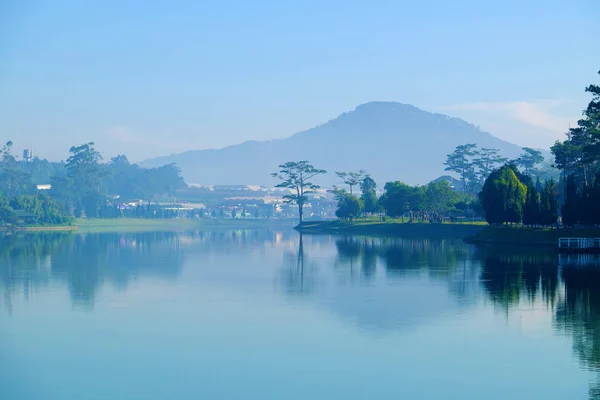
538, 113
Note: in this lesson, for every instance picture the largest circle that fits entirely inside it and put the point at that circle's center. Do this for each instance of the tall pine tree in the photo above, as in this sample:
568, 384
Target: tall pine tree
549, 204
571, 209
531, 210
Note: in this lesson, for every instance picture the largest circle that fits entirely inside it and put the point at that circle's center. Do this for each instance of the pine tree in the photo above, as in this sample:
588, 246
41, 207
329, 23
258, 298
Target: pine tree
531, 210
549, 204
571, 209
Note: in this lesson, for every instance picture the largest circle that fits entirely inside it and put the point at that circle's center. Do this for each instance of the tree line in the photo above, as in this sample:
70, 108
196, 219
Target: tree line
433, 202
82, 185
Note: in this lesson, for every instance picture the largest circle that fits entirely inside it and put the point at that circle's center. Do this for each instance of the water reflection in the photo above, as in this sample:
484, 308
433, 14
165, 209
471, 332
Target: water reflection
384, 284
513, 275
508, 278
375, 284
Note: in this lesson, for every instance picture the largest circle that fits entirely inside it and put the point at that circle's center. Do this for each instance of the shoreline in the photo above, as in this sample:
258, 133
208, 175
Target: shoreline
526, 236
391, 228
114, 225
472, 233
171, 224
49, 228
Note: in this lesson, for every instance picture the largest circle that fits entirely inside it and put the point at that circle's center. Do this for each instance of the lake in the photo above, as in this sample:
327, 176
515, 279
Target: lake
265, 314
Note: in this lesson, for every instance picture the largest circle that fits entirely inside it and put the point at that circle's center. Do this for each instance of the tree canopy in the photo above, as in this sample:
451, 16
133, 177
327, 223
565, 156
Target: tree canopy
296, 176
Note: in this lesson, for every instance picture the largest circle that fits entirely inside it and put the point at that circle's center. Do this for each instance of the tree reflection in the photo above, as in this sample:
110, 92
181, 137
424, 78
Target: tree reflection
510, 274
86, 261
402, 257
578, 315
298, 273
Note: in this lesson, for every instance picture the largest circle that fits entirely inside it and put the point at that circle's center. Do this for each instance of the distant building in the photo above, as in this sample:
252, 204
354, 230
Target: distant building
44, 187
27, 155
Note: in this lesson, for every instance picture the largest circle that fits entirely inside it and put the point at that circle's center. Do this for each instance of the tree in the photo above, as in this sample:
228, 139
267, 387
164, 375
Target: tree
503, 196
570, 210
352, 178
549, 204
7, 214
396, 199
369, 196
349, 207
460, 161
86, 175
528, 159
296, 176
589, 200
439, 198
580, 152
486, 161
14, 180
531, 209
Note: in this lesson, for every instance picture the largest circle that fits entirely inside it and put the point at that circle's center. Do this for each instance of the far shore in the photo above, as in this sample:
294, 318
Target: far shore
173, 224
84, 225
43, 228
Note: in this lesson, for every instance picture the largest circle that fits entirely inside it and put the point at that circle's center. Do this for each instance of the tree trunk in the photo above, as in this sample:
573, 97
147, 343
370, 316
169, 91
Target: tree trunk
300, 212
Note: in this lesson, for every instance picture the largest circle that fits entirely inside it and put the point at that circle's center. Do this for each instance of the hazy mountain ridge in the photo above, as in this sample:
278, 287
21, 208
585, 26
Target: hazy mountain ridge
392, 141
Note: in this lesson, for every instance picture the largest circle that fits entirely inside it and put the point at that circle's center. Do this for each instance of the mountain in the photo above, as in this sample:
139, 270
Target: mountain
391, 141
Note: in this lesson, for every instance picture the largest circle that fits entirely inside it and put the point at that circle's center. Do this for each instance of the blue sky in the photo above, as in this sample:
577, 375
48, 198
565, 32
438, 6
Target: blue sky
150, 78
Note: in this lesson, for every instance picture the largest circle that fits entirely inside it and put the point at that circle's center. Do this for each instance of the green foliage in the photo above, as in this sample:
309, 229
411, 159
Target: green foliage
432, 202
14, 180
369, 196
349, 207
32, 210
461, 161
439, 197
399, 198
296, 175
549, 203
529, 159
531, 209
352, 178
486, 161
7, 214
590, 199
570, 210
81, 185
503, 197
580, 153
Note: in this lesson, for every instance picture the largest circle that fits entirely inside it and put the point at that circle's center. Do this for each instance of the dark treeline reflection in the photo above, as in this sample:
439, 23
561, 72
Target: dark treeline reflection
578, 315
569, 286
513, 275
402, 256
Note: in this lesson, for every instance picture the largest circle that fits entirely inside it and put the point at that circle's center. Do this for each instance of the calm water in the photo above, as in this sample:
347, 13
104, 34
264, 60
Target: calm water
265, 315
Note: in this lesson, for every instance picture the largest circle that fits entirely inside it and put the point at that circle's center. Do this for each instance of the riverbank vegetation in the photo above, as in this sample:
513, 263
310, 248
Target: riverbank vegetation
81, 186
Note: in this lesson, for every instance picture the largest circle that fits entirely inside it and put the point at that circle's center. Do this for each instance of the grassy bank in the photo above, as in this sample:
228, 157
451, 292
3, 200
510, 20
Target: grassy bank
391, 228
45, 228
141, 224
545, 237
